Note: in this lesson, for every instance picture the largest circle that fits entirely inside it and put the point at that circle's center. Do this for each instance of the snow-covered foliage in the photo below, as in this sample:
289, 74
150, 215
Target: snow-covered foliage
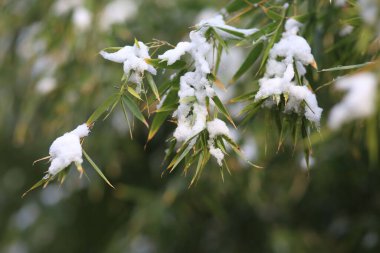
216, 128
359, 101
287, 59
196, 87
67, 149
133, 58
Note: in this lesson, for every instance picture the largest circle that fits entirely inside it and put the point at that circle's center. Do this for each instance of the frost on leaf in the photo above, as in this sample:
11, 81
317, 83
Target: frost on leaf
284, 76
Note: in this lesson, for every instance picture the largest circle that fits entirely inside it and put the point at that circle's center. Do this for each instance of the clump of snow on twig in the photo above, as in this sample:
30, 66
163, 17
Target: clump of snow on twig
195, 86
291, 53
133, 59
67, 149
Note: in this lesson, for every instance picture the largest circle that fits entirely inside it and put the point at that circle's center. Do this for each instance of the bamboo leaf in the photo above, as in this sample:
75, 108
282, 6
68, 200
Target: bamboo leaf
232, 32
159, 117
158, 63
244, 97
43, 181
96, 168
134, 93
338, 68
134, 109
109, 102
274, 39
222, 109
183, 151
249, 61
167, 108
152, 85
111, 49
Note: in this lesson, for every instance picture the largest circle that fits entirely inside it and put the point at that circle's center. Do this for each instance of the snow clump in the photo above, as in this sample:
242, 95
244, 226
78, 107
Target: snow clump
133, 58
292, 51
195, 86
67, 149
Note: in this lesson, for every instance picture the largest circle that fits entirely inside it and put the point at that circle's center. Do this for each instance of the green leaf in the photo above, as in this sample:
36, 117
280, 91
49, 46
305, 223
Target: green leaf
152, 85
167, 108
237, 150
274, 39
236, 5
218, 38
218, 58
234, 33
272, 14
347, 67
96, 168
111, 49
134, 109
158, 63
109, 102
44, 181
127, 118
182, 152
133, 93
249, 61
160, 117
304, 17
222, 109
244, 97
268, 29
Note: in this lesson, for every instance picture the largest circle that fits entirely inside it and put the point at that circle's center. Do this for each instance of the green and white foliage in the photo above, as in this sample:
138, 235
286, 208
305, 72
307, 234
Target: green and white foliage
279, 73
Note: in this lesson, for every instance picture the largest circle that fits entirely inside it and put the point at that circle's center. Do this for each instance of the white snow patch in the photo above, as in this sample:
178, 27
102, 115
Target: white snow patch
82, 18
279, 78
133, 58
67, 149
117, 12
358, 103
45, 85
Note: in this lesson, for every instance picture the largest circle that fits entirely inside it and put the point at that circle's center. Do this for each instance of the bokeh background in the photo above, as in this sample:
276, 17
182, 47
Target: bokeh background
52, 78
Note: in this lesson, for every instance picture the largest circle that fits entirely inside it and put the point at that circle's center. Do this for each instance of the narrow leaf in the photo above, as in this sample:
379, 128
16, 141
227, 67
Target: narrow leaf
163, 64
134, 109
96, 168
249, 61
222, 109
103, 108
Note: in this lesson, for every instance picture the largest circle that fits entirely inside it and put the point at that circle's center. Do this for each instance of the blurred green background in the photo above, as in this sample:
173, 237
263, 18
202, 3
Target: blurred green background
52, 78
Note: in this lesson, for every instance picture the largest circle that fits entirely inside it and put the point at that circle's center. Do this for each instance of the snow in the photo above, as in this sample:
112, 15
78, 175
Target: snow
45, 85
116, 12
220, 27
346, 30
133, 59
61, 7
195, 88
216, 152
359, 102
217, 127
369, 10
67, 149
279, 78
82, 18
173, 55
